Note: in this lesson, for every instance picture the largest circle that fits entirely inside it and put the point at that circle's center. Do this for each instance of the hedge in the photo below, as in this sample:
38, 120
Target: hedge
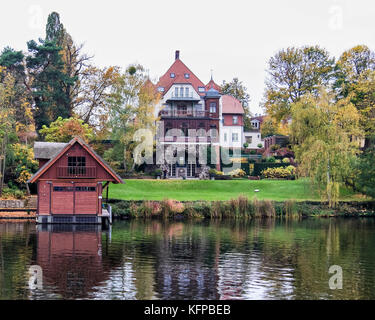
259, 167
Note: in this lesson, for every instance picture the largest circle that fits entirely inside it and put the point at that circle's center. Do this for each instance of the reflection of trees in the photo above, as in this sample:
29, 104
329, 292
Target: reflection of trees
16, 242
203, 260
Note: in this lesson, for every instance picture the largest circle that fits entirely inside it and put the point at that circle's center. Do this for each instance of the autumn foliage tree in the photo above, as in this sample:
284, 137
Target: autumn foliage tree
63, 130
326, 137
292, 73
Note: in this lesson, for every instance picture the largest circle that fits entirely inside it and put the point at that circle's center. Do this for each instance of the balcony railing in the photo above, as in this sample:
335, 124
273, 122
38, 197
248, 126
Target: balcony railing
183, 96
76, 172
183, 113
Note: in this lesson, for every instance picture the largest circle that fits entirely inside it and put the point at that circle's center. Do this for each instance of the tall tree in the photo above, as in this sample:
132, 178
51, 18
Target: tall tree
236, 89
14, 63
47, 69
76, 63
293, 73
326, 140
132, 104
7, 119
355, 79
94, 90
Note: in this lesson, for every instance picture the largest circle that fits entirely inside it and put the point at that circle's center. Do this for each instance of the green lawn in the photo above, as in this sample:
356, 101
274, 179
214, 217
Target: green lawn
189, 190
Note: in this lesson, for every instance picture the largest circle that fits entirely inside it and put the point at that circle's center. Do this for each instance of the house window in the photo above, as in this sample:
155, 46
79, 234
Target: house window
176, 92
225, 137
201, 89
173, 75
181, 91
184, 128
168, 127
235, 119
213, 107
234, 137
187, 76
201, 130
213, 130
161, 89
249, 140
186, 92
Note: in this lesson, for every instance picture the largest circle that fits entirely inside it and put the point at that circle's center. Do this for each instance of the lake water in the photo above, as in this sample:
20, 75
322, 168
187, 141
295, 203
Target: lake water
260, 259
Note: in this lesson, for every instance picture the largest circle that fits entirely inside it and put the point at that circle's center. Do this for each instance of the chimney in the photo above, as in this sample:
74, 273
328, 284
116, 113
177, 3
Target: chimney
177, 54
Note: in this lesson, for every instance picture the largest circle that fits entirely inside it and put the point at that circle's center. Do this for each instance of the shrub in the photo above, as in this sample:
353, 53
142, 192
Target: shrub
238, 173
275, 147
279, 173
271, 159
12, 193
245, 145
214, 172
260, 146
286, 160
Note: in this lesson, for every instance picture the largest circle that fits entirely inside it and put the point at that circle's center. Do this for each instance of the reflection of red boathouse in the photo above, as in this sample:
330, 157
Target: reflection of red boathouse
70, 182
71, 258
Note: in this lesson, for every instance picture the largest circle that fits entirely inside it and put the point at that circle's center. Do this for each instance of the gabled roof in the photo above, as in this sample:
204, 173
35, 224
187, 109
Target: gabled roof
179, 69
47, 150
231, 105
213, 84
258, 118
68, 145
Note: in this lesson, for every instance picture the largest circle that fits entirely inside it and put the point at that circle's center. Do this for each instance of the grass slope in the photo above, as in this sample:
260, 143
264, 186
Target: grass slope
190, 190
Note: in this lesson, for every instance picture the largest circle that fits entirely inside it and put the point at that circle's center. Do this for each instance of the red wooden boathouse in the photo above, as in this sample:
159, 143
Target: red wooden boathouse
71, 180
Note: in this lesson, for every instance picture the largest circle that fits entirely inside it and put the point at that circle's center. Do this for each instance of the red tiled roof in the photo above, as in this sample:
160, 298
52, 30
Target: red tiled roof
179, 69
212, 84
231, 105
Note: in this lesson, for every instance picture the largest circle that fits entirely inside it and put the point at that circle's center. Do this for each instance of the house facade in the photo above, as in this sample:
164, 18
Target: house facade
194, 114
70, 182
253, 137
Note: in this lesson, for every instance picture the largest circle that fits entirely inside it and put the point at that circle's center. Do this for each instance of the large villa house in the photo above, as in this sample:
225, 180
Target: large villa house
195, 114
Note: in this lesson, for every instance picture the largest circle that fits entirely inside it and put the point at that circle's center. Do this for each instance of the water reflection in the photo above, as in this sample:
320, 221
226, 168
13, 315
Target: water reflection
260, 259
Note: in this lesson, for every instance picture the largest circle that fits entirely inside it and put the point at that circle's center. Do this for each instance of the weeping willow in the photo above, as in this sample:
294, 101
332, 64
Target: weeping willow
326, 136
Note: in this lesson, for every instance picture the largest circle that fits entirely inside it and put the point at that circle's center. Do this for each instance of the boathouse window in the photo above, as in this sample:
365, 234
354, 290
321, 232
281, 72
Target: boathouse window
86, 189
77, 165
235, 119
76, 161
63, 189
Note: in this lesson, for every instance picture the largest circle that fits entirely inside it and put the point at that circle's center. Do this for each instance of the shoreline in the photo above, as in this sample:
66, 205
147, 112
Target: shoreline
239, 208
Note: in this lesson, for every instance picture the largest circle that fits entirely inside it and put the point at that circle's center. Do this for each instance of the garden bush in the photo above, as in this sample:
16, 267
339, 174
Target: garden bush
279, 173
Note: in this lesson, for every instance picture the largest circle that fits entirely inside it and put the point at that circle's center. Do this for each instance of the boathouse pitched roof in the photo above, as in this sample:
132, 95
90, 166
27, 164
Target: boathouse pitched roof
47, 149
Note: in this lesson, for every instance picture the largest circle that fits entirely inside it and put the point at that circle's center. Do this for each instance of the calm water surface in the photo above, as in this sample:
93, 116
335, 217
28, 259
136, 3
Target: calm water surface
270, 259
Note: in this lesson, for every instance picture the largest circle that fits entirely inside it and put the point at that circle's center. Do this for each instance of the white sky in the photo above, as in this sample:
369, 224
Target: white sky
234, 38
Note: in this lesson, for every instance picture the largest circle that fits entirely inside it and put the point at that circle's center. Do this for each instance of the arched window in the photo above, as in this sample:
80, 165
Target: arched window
184, 128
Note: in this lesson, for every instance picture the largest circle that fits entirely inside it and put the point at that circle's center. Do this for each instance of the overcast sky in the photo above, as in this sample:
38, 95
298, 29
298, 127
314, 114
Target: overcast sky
234, 38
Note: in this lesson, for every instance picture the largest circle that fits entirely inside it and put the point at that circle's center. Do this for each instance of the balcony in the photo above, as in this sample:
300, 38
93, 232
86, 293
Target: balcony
183, 113
76, 172
183, 97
